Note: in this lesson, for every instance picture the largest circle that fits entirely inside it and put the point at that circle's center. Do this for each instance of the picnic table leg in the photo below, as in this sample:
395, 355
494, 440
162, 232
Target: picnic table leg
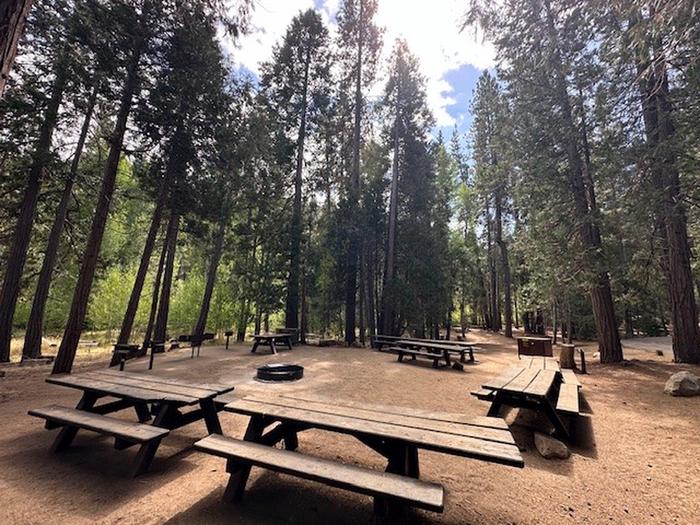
412, 467
211, 417
147, 452
273, 346
291, 441
67, 433
289, 342
496, 405
461, 356
400, 462
560, 429
447, 358
142, 412
239, 473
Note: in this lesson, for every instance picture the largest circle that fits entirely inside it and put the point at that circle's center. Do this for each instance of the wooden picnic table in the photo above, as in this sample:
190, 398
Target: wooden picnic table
394, 432
270, 340
539, 385
439, 347
156, 399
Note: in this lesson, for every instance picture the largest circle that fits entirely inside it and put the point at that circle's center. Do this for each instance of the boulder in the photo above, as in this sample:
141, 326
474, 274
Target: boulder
683, 384
527, 418
550, 448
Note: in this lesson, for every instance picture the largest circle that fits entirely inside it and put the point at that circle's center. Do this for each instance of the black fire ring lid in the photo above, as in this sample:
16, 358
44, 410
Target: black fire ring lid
280, 372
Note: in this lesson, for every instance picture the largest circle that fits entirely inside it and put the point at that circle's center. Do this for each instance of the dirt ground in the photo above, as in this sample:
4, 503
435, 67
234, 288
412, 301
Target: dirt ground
636, 461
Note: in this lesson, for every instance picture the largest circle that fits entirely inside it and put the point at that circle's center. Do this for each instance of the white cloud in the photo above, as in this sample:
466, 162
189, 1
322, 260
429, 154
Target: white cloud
431, 30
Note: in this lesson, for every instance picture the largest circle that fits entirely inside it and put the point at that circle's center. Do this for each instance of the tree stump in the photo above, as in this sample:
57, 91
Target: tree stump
566, 356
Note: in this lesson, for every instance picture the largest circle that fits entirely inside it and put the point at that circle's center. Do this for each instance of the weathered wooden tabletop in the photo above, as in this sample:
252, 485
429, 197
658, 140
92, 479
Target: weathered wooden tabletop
483, 438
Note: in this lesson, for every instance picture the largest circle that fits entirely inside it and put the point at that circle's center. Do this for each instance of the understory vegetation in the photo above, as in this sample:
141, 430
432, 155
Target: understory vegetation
151, 188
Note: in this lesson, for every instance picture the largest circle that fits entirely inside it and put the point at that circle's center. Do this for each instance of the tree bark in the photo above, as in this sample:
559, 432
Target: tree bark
211, 276
583, 192
81, 296
154, 300
292, 306
660, 131
135, 297
13, 14
17, 254
161, 326
505, 265
388, 292
35, 324
354, 195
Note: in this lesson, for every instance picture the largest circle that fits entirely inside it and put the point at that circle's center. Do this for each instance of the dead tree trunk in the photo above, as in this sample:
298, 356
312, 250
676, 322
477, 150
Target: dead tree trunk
13, 14
17, 254
35, 324
81, 296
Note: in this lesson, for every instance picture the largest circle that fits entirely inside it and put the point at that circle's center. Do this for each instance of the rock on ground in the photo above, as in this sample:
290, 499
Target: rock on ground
683, 384
550, 448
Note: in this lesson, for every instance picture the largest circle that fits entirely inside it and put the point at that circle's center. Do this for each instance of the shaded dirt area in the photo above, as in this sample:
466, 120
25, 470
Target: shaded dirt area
640, 462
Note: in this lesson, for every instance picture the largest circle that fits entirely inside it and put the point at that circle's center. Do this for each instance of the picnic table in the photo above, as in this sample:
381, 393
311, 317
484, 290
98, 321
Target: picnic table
157, 401
271, 340
440, 347
538, 385
394, 432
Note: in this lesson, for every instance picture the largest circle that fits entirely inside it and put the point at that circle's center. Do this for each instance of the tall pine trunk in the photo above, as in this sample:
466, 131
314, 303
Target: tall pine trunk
154, 300
35, 324
17, 254
660, 131
354, 197
161, 326
388, 292
583, 192
211, 276
13, 14
81, 296
505, 266
292, 306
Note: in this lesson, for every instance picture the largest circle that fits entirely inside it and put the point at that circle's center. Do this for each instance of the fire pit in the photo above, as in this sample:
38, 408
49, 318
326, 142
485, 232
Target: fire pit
280, 372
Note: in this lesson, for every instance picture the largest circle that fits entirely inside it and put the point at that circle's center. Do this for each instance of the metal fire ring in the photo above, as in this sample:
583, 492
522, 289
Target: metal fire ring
280, 372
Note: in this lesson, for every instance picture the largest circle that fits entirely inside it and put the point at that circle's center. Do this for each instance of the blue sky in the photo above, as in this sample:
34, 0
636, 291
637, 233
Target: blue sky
451, 60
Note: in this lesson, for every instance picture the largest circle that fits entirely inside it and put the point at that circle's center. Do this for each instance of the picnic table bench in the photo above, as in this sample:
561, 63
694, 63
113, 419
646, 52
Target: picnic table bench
271, 340
157, 401
195, 340
395, 433
539, 386
440, 347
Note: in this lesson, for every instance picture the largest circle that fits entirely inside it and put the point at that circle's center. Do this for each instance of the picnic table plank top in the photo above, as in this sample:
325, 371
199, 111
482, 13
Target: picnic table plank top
143, 381
461, 429
429, 344
141, 387
522, 381
270, 336
498, 382
542, 383
218, 388
481, 421
492, 451
544, 362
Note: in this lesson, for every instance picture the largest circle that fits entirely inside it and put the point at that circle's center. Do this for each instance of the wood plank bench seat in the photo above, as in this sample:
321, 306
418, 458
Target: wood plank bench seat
570, 377
484, 394
568, 401
429, 496
403, 352
110, 426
